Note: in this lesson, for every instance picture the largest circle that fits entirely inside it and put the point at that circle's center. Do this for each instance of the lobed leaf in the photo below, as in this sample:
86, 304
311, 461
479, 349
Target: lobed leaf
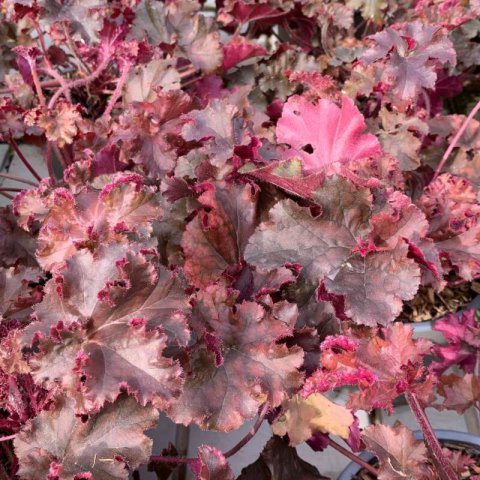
240, 366
400, 455
57, 441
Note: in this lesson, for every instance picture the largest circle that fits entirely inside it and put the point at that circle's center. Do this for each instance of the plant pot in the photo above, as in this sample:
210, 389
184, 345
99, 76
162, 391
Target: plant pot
450, 436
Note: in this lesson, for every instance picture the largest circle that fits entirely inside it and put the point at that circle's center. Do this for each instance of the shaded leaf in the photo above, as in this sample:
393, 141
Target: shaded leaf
216, 238
400, 455
288, 175
460, 393
278, 461
220, 125
150, 131
240, 49
145, 80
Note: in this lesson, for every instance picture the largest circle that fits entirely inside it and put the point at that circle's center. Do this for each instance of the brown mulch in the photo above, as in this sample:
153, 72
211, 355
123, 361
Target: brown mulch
430, 305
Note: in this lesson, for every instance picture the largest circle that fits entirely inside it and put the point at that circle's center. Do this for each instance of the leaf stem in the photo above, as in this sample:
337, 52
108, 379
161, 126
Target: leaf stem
45, 84
49, 161
6, 439
11, 189
250, 434
81, 81
187, 72
73, 49
191, 81
18, 179
229, 453
445, 469
125, 69
455, 140
476, 372
36, 82
14, 145
353, 457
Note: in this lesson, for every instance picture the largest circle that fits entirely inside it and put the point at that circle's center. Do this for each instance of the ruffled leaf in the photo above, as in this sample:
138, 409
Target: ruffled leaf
100, 448
240, 367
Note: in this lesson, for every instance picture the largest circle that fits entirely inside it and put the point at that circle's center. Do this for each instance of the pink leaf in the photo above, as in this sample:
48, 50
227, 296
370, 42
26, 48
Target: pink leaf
325, 134
382, 367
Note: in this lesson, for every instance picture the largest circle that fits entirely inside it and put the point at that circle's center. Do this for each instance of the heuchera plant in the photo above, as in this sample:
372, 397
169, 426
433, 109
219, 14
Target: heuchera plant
240, 198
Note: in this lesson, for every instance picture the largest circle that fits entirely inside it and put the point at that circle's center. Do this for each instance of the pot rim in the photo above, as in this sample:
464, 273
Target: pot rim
452, 435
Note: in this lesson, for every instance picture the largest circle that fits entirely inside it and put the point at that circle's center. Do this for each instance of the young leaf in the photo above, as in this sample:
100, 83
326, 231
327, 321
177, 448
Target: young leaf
462, 332
96, 216
399, 219
211, 465
383, 367
451, 206
302, 418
